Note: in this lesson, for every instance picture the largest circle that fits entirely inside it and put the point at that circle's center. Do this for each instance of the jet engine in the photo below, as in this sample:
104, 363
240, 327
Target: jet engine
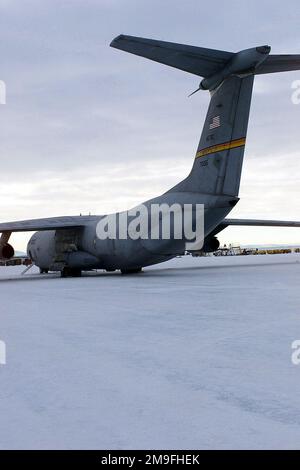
6, 251
211, 244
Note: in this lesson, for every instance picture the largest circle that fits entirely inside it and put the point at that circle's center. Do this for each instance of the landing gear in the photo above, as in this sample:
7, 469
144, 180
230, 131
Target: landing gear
131, 271
70, 272
44, 271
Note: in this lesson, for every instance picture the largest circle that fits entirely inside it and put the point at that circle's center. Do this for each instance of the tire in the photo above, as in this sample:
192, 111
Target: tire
131, 271
70, 272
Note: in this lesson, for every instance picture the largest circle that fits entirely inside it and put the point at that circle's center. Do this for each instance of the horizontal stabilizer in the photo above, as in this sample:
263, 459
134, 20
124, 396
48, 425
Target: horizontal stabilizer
196, 60
208, 63
279, 63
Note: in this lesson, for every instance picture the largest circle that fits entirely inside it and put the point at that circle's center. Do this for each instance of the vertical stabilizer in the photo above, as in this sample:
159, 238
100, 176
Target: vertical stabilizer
219, 158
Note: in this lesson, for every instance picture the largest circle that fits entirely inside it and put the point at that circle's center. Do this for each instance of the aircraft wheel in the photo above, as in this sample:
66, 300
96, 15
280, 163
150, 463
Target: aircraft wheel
131, 271
71, 272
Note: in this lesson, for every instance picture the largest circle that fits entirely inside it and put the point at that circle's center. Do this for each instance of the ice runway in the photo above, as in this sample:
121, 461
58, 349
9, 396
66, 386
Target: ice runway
193, 353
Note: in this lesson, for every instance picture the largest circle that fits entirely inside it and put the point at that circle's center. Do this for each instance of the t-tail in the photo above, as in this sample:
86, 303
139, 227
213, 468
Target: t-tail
229, 79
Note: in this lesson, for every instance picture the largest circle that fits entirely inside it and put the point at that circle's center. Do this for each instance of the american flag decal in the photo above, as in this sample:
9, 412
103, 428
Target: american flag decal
216, 122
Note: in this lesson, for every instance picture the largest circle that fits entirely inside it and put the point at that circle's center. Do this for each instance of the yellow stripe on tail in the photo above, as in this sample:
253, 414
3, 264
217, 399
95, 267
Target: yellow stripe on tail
221, 147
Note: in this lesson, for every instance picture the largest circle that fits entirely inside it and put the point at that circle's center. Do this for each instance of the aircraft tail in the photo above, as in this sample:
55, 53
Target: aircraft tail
218, 163
208, 63
229, 78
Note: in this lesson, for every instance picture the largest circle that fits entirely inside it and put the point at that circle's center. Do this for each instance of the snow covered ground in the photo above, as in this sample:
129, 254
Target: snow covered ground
194, 353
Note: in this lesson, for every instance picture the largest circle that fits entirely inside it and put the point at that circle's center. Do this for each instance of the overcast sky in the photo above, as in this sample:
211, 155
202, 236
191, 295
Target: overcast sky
87, 128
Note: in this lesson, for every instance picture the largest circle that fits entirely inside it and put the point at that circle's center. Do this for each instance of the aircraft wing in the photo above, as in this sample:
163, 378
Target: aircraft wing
258, 223
55, 223
255, 223
196, 60
52, 223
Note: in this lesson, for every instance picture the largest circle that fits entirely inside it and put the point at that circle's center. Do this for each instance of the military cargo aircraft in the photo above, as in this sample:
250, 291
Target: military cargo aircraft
70, 245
